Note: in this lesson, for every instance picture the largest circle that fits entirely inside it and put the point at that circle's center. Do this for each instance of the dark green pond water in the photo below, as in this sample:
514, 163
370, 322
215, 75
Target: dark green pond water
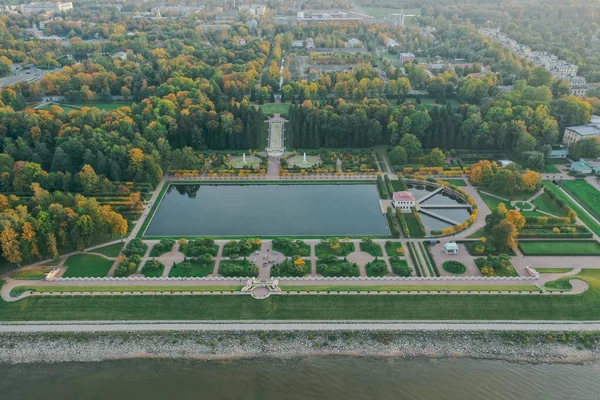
310, 378
269, 210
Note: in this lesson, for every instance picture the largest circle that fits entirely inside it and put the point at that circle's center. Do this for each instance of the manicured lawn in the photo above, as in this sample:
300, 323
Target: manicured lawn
456, 182
374, 249
585, 306
275, 108
197, 269
377, 268
523, 206
344, 249
380, 11
514, 196
587, 195
550, 169
391, 248
413, 288
559, 284
37, 273
544, 203
104, 106
586, 219
397, 185
478, 233
111, 250
413, 226
493, 202
553, 270
564, 248
120, 289
52, 263
87, 266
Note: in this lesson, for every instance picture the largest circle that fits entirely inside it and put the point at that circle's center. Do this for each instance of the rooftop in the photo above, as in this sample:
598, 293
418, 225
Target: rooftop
404, 196
585, 130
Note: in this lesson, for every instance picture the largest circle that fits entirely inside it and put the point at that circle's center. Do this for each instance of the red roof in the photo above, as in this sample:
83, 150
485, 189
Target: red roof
403, 196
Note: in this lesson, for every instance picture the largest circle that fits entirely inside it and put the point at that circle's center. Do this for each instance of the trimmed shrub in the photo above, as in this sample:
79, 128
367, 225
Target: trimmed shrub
454, 267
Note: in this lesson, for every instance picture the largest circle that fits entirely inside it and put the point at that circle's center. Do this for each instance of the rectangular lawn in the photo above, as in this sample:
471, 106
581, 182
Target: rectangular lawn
87, 266
587, 195
560, 248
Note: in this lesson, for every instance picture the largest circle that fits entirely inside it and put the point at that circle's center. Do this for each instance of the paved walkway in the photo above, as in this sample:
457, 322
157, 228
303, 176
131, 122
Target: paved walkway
211, 326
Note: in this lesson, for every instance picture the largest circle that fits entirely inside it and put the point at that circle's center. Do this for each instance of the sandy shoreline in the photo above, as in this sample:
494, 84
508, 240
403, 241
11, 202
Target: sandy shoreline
550, 347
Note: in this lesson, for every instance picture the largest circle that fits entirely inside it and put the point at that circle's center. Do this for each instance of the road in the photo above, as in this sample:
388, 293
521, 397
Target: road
211, 326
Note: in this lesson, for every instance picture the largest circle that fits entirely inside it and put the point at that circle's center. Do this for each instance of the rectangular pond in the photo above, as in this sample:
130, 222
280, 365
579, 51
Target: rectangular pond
269, 210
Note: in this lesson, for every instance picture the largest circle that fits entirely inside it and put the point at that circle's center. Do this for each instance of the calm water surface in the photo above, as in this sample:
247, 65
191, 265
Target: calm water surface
269, 210
311, 378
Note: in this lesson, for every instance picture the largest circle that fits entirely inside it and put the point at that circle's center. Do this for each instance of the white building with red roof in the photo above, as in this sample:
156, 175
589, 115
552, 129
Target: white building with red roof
404, 200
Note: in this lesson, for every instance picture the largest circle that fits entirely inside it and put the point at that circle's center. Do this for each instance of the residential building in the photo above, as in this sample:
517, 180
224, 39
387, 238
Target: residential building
574, 133
310, 44
407, 57
404, 200
303, 17
560, 153
582, 90
297, 44
46, 7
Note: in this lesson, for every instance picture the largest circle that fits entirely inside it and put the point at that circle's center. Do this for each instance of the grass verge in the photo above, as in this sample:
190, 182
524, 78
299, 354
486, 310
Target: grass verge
87, 266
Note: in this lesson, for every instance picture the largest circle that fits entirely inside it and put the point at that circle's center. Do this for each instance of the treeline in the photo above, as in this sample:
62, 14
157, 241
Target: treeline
39, 226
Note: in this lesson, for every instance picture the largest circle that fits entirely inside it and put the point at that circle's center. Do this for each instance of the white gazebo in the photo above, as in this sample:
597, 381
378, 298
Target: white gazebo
451, 248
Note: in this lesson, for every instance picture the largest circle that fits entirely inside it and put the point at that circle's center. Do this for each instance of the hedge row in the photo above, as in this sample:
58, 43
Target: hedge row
576, 235
414, 259
402, 184
427, 262
392, 223
389, 186
383, 192
431, 259
402, 222
419, 222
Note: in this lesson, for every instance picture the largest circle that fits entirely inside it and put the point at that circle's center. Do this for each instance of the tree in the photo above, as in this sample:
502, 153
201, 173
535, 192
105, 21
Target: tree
539, 76
531, 180
504, 235
88, 179
515, 218
493, 219
436, 158
585, 148
412, 145
5, 66
560, 88
398, 156
11, 248
483, 172
533, 160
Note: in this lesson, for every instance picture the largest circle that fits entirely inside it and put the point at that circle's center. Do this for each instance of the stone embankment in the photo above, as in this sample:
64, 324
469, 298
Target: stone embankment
567, 347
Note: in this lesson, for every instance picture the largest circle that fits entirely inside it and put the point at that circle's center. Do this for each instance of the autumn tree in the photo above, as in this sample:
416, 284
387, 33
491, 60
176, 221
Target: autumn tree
504, 235
531, 180
11, 248
516, 218
88, 179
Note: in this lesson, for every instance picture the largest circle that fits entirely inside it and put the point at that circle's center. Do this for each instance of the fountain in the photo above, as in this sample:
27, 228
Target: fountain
244, 158
304, 159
